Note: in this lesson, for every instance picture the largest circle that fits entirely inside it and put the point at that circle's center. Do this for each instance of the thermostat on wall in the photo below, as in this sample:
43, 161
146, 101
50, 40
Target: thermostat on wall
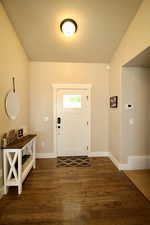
129, 106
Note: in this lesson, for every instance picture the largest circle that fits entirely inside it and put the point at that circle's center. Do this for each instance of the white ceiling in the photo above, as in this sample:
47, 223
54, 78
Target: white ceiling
101, 25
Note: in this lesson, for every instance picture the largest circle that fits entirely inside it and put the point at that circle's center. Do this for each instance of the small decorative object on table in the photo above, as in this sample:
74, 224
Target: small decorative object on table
20, 133
12, 136
114, 102
4, 140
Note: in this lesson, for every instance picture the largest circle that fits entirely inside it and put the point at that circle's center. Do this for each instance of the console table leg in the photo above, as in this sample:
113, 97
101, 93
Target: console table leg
19, 189
5, 189
5, 173
34, 158
19, 172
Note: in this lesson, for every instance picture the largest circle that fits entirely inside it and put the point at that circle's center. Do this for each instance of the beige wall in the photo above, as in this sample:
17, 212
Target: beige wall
42, 75
135, 90
136, 39
13, 62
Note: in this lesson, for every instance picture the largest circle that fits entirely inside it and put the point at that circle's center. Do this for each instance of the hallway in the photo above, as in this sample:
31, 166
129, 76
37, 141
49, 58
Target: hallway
94, 195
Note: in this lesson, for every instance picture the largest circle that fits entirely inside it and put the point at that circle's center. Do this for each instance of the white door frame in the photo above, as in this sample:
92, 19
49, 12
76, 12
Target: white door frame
56, 87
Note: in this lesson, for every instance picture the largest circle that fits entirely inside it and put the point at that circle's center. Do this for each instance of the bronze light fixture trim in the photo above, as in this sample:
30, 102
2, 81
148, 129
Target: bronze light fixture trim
68, 27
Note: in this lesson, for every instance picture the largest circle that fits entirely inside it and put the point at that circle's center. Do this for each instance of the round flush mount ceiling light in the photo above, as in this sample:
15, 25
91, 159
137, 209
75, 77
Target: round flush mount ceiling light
68, 27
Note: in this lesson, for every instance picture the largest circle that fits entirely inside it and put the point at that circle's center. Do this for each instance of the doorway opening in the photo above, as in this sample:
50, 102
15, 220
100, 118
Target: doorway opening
136, 106
136, 120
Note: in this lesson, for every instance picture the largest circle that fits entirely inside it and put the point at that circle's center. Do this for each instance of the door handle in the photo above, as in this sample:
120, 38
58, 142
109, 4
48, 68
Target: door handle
58, 120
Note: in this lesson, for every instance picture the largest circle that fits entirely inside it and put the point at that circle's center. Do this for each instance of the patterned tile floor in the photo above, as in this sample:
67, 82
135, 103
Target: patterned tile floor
73, 161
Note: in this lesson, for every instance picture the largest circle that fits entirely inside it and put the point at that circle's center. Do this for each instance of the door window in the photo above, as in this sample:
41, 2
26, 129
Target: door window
72, 101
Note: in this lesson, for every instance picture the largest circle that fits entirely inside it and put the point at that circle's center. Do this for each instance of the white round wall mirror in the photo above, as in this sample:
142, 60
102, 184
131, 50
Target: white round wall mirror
12, 105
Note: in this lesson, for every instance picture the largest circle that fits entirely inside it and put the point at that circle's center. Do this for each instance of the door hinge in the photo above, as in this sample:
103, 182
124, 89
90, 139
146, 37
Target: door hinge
87, 147
87, 123
87, 97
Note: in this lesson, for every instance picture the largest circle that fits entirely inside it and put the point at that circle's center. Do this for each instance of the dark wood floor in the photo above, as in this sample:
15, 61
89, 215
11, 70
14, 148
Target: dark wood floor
97, 195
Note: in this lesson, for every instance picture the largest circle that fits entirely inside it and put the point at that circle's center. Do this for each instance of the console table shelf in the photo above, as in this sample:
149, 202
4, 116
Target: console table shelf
15, 171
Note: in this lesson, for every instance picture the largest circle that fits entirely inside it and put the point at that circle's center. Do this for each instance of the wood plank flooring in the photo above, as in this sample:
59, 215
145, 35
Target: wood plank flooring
141, 178
96, 195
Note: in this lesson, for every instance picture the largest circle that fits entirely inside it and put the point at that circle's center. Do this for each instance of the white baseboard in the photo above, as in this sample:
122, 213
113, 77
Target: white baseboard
117, 164
123, 166
98, 154
138, 162
114, 160
134, 163
52, 155
45, 155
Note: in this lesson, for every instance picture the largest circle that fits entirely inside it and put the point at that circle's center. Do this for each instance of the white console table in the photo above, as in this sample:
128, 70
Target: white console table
15, 171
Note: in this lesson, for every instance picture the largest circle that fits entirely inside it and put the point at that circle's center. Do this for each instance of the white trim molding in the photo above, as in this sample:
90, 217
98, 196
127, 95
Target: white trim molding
134, 163
98, 154
119, 165
114, 160
53, 155
138, 162
123, 166
74, 86
45, 155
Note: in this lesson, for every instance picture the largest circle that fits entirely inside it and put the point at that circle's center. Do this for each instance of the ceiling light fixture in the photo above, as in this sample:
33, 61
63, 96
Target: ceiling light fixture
68, 27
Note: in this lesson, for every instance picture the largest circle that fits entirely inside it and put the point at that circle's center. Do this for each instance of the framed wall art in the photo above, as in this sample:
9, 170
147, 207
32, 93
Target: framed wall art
114, 102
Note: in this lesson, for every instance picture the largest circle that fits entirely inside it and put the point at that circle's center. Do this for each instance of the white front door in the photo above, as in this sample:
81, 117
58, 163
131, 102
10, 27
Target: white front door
72, 134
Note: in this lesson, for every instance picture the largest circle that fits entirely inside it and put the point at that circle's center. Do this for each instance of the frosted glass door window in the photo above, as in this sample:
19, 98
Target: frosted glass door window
72, 101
